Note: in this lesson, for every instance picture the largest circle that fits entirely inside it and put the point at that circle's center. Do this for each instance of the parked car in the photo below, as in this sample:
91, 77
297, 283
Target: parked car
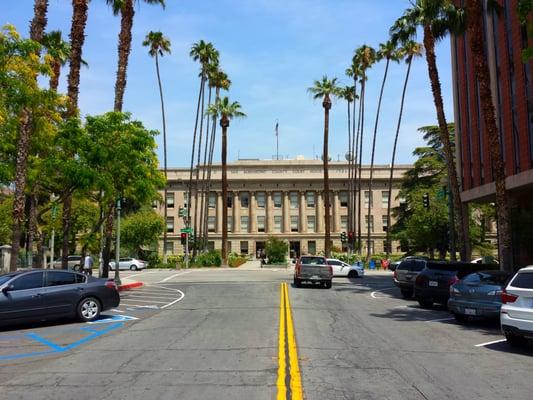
477, 295
405, 274
74, 262
394, 264
36, 294
340, 268
313, 269
131, 264
516, 314
432, 284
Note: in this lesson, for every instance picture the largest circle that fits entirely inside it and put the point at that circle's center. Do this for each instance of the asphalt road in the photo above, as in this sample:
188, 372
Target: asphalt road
221, 340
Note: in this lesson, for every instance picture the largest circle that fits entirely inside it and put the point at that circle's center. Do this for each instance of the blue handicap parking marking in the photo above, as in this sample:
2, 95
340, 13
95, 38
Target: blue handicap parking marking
115, 318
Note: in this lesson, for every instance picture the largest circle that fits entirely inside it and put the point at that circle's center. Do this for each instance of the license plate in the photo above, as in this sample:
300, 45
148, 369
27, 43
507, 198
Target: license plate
470, 311
433, 283
315, 277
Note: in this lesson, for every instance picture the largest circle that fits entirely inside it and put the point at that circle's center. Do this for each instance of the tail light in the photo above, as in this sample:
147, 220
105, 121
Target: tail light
111, 284
508, 297
330, 269
454, 279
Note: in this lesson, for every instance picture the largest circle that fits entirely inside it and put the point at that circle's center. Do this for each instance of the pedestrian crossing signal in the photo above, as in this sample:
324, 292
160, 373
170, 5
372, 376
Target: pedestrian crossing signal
183, 238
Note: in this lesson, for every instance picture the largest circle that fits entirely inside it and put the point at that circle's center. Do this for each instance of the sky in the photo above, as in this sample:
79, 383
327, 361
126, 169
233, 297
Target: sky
272, 50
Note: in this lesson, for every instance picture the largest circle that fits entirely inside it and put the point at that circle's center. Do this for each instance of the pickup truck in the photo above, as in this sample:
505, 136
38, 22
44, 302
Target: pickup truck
313, 269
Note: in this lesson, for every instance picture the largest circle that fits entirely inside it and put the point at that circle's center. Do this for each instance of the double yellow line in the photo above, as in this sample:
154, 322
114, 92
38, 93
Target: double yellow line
289, 381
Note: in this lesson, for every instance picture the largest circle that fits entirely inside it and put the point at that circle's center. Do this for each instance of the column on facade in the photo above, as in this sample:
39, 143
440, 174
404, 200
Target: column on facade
302, 213
252, 213
286, 212
269, 208
320, 221
336, 212
220, 204
236, 213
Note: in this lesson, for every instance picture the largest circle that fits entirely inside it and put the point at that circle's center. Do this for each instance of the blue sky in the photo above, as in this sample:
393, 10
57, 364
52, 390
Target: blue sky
272, 51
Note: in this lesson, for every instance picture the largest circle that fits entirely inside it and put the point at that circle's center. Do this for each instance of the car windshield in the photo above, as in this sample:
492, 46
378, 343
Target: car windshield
523, 280
312, 260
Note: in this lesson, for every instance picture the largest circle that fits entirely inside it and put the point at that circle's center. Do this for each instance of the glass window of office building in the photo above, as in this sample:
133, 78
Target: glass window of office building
260, 199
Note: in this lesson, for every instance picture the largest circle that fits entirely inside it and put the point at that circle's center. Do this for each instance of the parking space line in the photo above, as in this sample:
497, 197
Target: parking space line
492, 342
136, 305
175, 301
146, 300
152, 296
441, 319
373, 294
168, 278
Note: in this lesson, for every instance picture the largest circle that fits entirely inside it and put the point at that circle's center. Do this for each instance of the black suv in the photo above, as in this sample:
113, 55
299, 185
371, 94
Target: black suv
406, 273
432, 284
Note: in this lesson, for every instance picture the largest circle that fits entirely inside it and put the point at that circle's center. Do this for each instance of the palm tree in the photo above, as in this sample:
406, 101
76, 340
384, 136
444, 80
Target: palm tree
365, 57
437, 18
410, 49
59, 50
348, 93
37, 28
206, 54
388, 52
475, 12
159, 45
226, 111
127, 12
325, 90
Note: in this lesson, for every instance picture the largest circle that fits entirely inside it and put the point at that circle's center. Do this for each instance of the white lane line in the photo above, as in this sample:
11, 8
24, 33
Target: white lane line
146, 300
148, 291
175, 301
493, 342
173, 276
373, 294
440, 319
151, 296
136, 306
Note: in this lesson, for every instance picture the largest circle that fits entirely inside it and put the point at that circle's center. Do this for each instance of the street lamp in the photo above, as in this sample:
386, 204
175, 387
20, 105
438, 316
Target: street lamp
117, 249
53, 198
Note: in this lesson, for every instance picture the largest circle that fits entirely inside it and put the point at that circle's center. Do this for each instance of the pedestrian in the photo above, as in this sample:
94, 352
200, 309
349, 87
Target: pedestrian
88, 264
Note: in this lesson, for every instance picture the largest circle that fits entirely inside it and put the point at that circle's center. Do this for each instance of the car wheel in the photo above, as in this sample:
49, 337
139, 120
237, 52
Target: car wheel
297, 282
327, 285
460, 317
89, 309
406, 293
133, 268
425, 303
352, 274
514, 340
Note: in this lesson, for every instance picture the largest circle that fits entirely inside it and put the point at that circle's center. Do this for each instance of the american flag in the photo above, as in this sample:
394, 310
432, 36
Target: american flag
277, 128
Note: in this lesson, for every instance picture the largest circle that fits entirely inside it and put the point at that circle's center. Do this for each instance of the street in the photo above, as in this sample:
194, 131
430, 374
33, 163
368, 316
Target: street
215, 334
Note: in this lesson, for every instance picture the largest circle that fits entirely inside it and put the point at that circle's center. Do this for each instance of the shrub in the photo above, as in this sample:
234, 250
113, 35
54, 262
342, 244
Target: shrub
210, 259
154, 260
276, 250
175, 260
235, 260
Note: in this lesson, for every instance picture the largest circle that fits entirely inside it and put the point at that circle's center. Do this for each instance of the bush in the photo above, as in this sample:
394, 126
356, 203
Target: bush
235, 260
174, 260
154, 260
210, 259
276, 250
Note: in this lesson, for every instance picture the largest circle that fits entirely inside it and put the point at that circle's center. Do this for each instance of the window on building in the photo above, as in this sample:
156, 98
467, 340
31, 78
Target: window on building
343, 197
384, 222
384, 198
211, 223
371, 223
260, 199
368, 200
230, 200
293, 197
294, 223
277, 199
310, 196
244, 247
344, 223
311, 223
244, 223
260, 223
170, 200
170, 224
230, 223
245, 199
277, 223
311, 247
169, 248
212, 200
210, 245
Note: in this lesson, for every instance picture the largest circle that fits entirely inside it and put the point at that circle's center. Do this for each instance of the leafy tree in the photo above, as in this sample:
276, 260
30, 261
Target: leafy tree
59, 51
525, 11
141, 229
276, 250
6, 206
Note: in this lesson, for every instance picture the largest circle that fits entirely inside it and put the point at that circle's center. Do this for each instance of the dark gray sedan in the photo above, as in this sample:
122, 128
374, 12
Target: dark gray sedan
36, 294
477, 295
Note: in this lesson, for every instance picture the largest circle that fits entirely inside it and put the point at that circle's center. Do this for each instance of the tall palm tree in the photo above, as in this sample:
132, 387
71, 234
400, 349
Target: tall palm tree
226, 111
59, 50
325, 90
206, 54
475, 13
388, 52
37, 28
409, 50
347, 93
127, 11
159, 45
438, 18
365, 57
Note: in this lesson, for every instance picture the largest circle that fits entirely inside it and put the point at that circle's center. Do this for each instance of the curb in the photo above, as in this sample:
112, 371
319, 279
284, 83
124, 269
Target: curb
128, 286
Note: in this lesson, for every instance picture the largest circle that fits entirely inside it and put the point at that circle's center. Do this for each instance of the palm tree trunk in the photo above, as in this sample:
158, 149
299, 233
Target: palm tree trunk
370, 195
164, 154
355, 152
108, 234
197, 178
203, 210
325, 155
349, 168
389, 200
127, 13
475, 14
67, 213
54, 79
39, 21
460, 223
23, 148
224, 126
361, 132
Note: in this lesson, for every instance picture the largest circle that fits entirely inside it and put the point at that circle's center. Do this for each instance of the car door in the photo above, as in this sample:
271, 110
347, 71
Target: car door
62, 292
124, 263
336, 266
23, 299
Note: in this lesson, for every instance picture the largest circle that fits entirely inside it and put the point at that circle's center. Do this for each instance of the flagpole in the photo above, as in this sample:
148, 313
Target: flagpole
277, 141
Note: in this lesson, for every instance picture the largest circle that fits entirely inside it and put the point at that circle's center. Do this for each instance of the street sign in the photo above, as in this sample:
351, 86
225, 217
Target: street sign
186, 230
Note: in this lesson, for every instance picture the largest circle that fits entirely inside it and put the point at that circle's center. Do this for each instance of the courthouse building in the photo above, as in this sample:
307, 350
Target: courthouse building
282, 198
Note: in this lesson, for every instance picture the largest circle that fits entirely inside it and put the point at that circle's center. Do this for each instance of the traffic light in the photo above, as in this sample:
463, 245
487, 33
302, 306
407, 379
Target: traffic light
425, 200
343, 237
182, 212
183, 238
350, 237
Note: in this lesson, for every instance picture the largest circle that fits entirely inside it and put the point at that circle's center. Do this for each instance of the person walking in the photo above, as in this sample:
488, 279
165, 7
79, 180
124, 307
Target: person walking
88, 264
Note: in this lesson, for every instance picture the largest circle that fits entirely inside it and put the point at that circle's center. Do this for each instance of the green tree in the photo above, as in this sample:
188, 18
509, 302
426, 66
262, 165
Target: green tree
226, 111
6, 224
141, 229
276, 250
325, 90
59, 50
159, 45
525, 11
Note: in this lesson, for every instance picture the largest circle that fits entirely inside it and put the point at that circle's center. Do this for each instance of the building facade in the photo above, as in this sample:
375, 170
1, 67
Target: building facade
281, 198
512, 92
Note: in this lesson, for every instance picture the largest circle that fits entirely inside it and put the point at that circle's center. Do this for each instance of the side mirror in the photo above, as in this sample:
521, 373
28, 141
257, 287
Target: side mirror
7, 288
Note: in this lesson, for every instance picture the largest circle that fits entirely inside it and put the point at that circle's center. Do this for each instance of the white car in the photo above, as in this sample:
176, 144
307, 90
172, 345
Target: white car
340, 268
516, 314
131, 264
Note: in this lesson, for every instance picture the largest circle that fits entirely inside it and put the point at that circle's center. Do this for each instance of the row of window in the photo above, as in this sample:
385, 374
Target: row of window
278, 223
260, 197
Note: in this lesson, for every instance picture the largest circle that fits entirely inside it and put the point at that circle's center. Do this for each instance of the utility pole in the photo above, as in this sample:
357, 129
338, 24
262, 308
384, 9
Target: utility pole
52, 240
117, 248
277, 140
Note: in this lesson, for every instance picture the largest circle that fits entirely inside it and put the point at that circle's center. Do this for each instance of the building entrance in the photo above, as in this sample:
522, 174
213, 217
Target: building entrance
259, 249
294, 249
